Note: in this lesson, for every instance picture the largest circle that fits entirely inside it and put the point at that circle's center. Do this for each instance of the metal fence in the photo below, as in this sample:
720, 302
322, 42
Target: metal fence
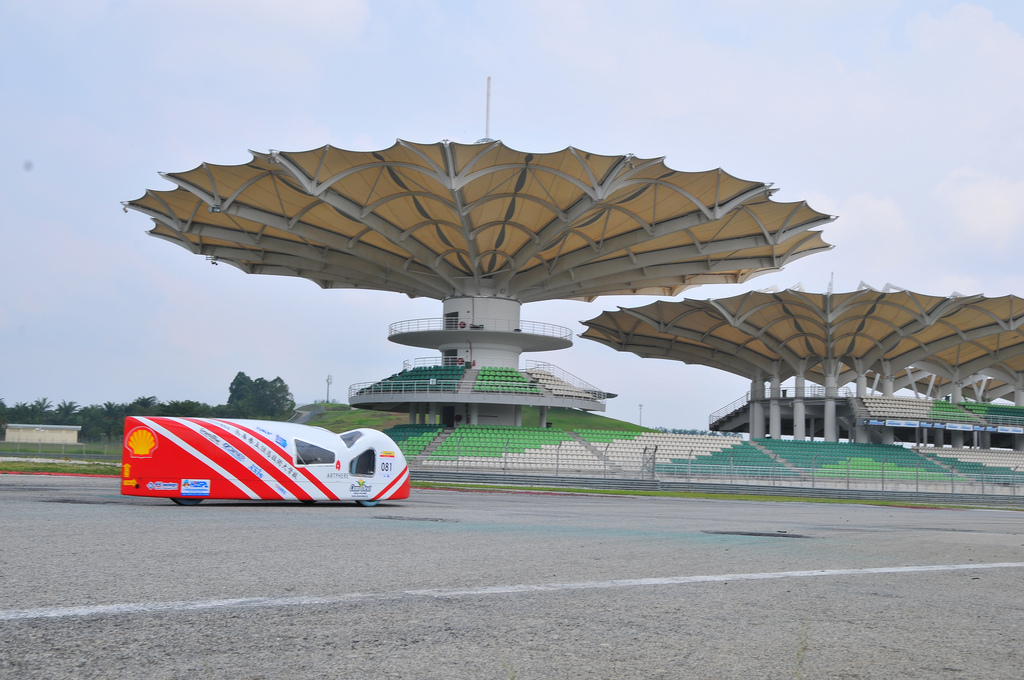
648, 470
583, 482
886, 478
99, 451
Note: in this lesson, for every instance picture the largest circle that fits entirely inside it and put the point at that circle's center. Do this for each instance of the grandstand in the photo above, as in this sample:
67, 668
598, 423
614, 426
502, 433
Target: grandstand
919, 409
863, 460
617, 452
901, 408
420, 378
943, 411
703, 456
503, 380
511, 448
996, 414
413, 438
938, 347
977, 462
740, 458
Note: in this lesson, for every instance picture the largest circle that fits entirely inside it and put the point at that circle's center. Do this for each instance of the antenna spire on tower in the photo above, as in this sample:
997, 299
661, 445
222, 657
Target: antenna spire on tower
487, 121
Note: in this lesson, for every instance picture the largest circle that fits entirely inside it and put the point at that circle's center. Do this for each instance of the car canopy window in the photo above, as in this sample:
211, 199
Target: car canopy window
311, 454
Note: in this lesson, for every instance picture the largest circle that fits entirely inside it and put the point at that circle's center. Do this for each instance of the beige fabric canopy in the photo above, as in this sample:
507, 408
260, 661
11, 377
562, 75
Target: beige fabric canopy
845, 336
447, 219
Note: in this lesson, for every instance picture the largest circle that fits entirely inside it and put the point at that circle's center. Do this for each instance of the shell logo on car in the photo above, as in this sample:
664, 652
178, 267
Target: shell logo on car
140, 442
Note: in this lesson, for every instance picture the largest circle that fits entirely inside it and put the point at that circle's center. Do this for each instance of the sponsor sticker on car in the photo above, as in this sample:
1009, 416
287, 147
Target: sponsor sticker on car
360, 489
195, 487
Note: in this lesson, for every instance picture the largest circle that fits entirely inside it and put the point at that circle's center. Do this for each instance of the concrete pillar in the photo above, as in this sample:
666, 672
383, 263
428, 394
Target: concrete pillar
774, 411
860, 432
812, 426
862, 385
799, 414
831, 430
543, 416
956, 395
518, 415
939, 438
1018, 400
413, 412
831, 392
888, 435
433, 414
757, 420
474, 414
756, 408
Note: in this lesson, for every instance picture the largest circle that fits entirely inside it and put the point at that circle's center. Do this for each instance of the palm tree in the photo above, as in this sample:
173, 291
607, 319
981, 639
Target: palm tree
20, 412
39, 409
144, 403
113, 418
187, 409
65, 411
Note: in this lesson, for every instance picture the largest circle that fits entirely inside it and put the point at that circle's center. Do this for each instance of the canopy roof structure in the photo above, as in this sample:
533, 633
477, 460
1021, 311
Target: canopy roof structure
843, 336
450, 220
979, 386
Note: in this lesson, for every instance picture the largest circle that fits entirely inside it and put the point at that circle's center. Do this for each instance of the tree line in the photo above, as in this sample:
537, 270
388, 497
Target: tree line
247, 398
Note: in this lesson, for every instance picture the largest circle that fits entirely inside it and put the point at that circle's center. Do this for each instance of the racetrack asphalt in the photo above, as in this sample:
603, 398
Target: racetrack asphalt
502, 585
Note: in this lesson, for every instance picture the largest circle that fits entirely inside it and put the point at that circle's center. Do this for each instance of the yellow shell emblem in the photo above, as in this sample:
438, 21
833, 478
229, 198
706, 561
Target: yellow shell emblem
141, 442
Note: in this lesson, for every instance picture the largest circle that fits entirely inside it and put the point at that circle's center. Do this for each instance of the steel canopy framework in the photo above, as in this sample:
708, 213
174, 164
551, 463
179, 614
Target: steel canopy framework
455, 220
834, 339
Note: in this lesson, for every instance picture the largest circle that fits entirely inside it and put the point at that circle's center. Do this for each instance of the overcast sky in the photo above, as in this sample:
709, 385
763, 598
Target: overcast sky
903, 118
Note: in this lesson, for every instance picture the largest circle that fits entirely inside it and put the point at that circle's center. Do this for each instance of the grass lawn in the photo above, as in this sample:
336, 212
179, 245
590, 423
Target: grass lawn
60, 467
342, 417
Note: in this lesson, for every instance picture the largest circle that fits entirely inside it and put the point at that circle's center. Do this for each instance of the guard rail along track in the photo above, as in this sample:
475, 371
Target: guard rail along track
917, 497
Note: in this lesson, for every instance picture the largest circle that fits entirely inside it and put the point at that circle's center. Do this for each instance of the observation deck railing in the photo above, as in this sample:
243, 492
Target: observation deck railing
400, 387
499, 325
565, 376
473, 391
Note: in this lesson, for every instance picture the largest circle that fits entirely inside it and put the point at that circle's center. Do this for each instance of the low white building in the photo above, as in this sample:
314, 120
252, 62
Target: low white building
43, 434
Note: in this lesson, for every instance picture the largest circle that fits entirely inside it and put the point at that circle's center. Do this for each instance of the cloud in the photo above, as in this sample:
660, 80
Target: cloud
983, 206
964, 81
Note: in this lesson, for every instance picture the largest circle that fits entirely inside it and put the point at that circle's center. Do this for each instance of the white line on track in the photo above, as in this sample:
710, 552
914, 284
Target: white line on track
276, 602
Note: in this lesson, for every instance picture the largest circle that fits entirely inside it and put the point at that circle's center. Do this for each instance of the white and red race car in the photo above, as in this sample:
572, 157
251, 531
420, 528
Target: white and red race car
193, 459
